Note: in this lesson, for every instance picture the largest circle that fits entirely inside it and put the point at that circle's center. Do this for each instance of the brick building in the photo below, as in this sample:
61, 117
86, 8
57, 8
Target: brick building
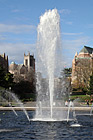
82, 67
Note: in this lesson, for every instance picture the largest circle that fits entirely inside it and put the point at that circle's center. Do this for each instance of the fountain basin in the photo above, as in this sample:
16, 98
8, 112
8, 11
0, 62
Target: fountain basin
76, 125
34, 108
12, 127
50, 120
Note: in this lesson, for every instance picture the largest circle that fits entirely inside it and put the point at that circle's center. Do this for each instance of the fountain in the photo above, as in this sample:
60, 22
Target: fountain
8, 103
49, 67
75, 121
91, 109
8, 96
49, 106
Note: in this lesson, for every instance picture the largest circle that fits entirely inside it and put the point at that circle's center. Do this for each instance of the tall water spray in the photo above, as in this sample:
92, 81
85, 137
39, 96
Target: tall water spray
48, 58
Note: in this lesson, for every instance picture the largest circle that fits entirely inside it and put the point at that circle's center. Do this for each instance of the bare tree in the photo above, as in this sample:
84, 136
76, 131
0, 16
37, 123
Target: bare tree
83, 71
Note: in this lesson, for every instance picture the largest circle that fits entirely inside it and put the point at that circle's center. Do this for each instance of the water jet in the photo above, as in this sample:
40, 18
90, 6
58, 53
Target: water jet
49, 66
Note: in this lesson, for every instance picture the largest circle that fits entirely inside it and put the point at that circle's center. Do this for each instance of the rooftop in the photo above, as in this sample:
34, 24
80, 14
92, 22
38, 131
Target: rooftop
87, 50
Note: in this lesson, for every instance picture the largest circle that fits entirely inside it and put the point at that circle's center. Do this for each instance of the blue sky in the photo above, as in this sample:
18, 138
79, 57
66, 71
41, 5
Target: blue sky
19, 20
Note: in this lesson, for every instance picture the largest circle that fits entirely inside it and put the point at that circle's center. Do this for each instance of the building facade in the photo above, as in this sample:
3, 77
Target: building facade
21, 71
82, 67
4, 62
29, 61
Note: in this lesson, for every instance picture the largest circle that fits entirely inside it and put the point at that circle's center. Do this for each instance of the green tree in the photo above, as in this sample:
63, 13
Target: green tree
2, 75
90, 90
6, 79
25, 90
67, 72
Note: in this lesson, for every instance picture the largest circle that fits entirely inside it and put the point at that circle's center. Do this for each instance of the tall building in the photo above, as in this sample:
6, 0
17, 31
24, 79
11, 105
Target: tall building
82, 67
4, 62
29, 61
20, 71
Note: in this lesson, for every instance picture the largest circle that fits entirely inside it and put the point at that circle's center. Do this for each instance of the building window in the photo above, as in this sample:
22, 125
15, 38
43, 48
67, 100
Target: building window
26, 62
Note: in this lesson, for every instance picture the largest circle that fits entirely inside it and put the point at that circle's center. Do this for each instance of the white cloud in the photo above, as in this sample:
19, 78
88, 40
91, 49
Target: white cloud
64, 11
16, 28
70, 47
90, 25
78, 41
16, 52
3, 37
72, 34
73, 45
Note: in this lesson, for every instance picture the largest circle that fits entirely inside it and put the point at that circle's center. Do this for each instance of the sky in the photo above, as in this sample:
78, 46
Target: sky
19, 20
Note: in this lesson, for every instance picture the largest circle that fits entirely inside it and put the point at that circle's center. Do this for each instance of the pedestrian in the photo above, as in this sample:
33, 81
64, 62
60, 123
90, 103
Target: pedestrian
66, 103
87, 103
71, 103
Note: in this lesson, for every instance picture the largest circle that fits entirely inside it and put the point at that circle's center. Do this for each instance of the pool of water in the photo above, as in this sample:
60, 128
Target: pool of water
14, 127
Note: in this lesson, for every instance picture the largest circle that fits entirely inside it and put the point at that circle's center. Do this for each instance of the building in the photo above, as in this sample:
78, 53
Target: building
4, 62
20, 71
29, 61
82, 67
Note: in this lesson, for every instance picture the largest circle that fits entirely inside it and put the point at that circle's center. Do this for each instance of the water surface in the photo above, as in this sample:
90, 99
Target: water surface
19, 128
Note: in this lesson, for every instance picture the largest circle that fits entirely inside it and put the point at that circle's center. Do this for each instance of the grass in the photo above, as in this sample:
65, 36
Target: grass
81, 98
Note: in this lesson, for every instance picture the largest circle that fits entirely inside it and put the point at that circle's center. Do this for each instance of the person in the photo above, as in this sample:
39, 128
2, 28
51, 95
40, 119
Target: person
66, 103
69, 100
71, 104
87, 102
91, 100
